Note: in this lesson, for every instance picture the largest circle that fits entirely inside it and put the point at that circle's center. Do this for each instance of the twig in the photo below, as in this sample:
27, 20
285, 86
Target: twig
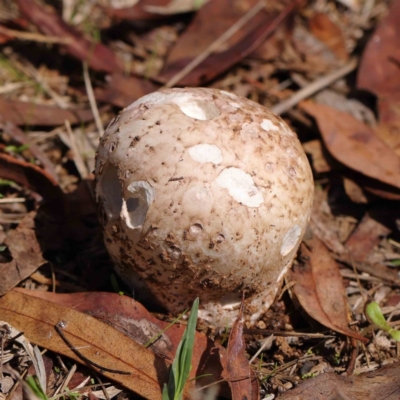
58, 328
35, 37
314, 87
80, 164
12, 200
267, 341
216, 44
92, 100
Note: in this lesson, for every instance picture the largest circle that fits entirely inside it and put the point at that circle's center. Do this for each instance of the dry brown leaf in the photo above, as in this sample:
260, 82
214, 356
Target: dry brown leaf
122, 90
132, 319
383, 383
238, 372
201, 34
365, 237
27, 113
97, 341
98, 56
355, 144
329, 33
25, 251
319, 288
379, 68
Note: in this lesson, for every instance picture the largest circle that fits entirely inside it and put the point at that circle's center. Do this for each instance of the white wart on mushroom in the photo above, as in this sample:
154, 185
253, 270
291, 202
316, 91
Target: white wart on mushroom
206, 194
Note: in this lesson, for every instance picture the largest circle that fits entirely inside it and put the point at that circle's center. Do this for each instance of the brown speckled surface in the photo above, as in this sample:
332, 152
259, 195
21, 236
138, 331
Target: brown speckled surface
199, 237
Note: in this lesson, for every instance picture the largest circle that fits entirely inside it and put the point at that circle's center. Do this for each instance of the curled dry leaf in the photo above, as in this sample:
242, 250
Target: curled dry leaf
238, 372
319, 288
131, 318
39, 181
122, 360
26, 254
98, 56
355, 144
379, 66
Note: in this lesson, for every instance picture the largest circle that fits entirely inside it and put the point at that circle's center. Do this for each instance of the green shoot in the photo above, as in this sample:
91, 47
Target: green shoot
115, 286
374, 315
34, 385
183, 359
16, 149
308, 375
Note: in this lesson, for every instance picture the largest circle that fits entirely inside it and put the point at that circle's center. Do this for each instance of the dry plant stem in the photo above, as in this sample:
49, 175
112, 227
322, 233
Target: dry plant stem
287, 334
92, 100
90, 363
267, 341
66, 380
12, 200
216, 44
80, 164
314, 87
35, 37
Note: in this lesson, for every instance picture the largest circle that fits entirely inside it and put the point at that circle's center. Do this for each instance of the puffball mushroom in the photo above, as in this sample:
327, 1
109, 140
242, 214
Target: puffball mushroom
203, 194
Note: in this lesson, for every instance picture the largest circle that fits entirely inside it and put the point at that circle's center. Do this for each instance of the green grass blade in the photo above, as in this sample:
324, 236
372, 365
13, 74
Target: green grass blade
182, 363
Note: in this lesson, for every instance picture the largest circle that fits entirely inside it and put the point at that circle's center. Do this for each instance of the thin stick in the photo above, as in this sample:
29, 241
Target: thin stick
58, 328
267, 341
216, 44
12, 200
35, 37
314, 87
92, 100
80, 164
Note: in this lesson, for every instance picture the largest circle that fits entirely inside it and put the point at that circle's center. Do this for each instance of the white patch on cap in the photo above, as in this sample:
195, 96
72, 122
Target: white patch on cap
138, 197
162, 98
290, 239
205, 152
240, 186
199, 109
268, 125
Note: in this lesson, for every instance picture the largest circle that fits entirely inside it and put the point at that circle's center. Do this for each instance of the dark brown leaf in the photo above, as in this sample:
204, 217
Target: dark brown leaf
25, 251
379, 70
98, 56
238, 372
319, 288
381, 384
122, 90
23, 113
365, 237
202, 34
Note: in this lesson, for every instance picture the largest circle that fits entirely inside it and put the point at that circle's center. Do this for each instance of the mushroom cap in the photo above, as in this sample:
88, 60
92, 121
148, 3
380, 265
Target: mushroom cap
203, 194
